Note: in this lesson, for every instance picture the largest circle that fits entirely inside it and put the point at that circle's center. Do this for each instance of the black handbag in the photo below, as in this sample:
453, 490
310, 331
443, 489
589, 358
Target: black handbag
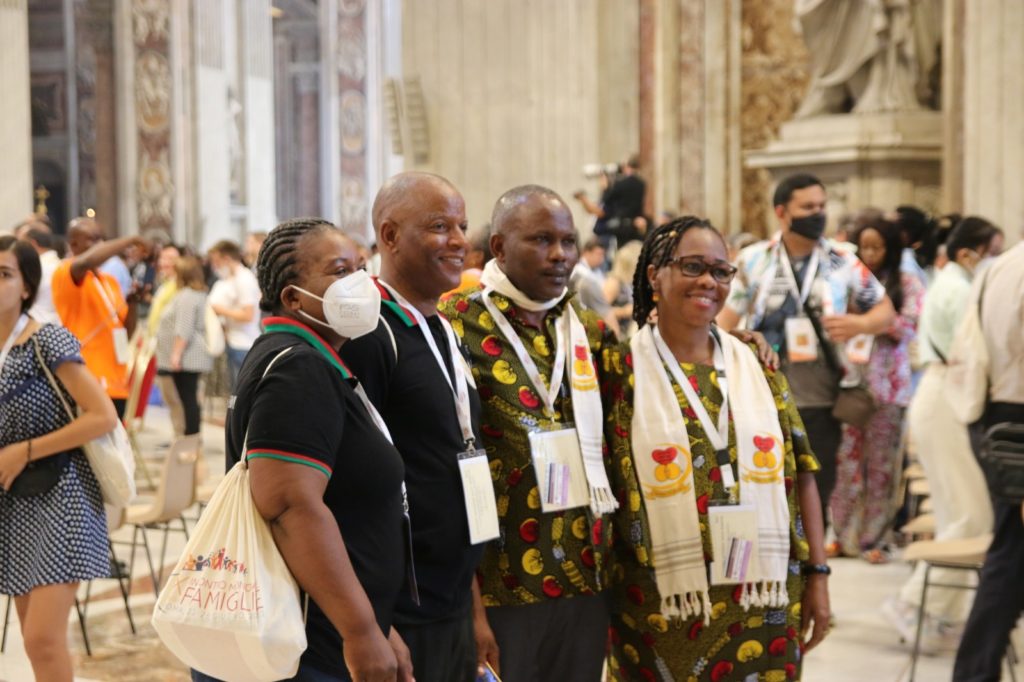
1002, 459
40, 476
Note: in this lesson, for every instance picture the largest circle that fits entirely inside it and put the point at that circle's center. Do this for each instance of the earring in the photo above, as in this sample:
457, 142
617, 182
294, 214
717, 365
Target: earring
656, 297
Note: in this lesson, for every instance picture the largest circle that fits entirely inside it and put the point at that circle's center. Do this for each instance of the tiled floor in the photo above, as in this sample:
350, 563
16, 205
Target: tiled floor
861, 646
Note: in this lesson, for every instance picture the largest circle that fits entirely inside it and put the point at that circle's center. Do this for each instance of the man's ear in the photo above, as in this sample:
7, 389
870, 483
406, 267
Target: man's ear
388, 234
497, 244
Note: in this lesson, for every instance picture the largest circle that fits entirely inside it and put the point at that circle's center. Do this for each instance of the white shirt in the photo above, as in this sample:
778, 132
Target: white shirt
1002, 321
236, 292
43, 309
944, 307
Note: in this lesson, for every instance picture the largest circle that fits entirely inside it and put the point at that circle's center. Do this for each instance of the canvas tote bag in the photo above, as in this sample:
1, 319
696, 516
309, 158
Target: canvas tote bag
231, 608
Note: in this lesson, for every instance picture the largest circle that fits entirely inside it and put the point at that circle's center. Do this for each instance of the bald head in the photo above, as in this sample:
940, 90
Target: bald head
404, 191
83, 232
524, 199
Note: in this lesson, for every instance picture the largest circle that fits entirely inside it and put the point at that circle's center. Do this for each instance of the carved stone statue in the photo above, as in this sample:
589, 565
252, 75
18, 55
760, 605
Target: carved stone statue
870, 55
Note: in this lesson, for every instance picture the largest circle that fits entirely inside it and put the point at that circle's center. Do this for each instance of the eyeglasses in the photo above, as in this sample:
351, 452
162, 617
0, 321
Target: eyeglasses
695, 266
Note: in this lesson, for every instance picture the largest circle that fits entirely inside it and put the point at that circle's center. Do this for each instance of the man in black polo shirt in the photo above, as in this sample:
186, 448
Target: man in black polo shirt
414, 373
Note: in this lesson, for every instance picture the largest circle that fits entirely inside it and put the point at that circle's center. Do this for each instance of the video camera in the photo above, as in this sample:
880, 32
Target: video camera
592, 171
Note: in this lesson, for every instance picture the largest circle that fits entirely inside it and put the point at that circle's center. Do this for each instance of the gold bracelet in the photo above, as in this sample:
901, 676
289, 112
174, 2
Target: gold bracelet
28, 456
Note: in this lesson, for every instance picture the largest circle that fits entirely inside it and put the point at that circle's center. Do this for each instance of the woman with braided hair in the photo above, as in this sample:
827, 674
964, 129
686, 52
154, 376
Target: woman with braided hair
323, 470
720, 531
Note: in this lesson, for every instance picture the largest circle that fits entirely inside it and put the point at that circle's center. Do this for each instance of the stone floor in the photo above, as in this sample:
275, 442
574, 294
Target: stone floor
862, 646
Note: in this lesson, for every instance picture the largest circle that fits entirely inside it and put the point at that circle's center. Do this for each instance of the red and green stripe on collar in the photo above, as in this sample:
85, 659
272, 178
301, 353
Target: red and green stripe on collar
284, 456
286, 325
386, 299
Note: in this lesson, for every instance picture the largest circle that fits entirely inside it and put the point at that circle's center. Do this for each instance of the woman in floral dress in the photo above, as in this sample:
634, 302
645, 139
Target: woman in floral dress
669, 620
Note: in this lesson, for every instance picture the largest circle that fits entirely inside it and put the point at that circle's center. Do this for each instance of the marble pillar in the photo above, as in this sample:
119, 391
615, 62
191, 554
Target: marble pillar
992, 130
697, 114
217, 124
256, 75
353, 199
15, 115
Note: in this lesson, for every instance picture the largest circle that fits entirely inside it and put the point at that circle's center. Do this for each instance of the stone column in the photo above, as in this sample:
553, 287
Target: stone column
255, 36
15, 115
993, 102
689, 75
353, 198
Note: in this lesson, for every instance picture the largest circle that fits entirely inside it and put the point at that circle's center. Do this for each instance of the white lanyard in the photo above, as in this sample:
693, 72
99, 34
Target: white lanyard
105, 294
374, 414
460, 389
801, 294
550, 393
19, 327
718, 435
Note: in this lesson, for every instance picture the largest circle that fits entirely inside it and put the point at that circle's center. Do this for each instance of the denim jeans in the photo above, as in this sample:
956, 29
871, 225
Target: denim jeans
235, 358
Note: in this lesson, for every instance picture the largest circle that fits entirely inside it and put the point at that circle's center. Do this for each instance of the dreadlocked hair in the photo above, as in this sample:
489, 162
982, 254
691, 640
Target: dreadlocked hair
658, 248
275, 264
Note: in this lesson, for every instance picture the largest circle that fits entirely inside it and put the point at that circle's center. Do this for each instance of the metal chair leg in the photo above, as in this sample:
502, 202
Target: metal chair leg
119, 576
149, 557
81, 624
7, 619
920, 623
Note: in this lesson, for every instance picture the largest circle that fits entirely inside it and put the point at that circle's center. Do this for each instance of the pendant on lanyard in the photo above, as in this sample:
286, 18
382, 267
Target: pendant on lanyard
718, 434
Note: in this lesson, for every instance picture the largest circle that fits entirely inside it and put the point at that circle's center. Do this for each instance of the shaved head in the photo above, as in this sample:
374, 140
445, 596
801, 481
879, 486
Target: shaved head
83, 232
513, 201
400, 192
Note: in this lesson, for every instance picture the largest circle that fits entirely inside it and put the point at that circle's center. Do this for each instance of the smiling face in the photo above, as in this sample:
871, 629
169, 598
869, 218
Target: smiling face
696, 300
537, 248
424, 237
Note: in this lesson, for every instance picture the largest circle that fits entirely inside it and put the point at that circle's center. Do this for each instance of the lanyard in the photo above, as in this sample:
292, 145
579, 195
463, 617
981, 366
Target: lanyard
460, 389
105, 294
718, 435
19, 327
800, 294
547, 393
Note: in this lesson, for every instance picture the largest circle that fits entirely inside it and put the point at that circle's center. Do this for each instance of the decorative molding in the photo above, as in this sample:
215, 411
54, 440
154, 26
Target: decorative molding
153, 99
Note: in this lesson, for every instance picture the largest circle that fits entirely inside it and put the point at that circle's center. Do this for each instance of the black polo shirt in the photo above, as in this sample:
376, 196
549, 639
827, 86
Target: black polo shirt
306, 411
417, 404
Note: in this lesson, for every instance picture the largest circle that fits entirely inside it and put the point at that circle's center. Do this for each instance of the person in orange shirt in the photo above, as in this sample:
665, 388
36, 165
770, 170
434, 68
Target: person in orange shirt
90, 305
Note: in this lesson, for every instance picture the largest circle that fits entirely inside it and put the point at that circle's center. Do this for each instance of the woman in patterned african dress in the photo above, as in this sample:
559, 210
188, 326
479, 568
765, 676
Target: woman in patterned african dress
707, 442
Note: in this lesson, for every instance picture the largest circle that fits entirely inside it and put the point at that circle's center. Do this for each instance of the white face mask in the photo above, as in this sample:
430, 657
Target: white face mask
351, 305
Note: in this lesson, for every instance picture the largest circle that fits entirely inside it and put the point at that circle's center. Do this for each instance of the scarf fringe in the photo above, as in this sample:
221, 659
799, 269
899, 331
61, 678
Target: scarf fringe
602, 501
679, 607
770, 594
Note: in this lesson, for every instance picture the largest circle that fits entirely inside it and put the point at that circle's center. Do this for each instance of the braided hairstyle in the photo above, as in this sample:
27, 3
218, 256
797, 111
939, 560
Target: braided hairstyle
658, 248
278, 258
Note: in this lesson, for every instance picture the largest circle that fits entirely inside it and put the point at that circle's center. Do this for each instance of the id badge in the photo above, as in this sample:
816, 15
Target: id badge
478, 493
858, 349
801, 341
733, 530
558, 461
120, 345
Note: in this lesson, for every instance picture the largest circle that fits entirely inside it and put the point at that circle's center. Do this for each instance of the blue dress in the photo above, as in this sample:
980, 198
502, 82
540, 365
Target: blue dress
59, 536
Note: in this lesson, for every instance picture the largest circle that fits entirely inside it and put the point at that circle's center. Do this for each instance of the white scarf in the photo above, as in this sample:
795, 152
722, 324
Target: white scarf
662, 446
586, 398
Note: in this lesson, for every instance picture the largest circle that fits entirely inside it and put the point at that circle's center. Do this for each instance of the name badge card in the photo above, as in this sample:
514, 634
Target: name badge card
733, 530
858, 349
478, 492
121, 345
558, 462
801, 341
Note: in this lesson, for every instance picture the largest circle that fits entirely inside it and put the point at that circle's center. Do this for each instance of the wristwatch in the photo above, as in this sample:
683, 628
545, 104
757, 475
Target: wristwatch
816, 569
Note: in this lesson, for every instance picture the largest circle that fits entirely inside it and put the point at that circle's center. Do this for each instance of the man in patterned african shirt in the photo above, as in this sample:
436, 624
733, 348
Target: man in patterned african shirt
540, 581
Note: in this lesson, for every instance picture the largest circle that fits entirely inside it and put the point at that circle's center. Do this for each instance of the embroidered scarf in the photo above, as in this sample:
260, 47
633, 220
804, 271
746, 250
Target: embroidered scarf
663, 463
586, 398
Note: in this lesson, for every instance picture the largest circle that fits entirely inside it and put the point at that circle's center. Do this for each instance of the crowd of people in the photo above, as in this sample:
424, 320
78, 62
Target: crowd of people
508, 453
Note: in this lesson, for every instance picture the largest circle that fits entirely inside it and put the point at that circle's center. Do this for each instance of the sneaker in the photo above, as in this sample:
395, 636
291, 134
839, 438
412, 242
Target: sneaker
939, 636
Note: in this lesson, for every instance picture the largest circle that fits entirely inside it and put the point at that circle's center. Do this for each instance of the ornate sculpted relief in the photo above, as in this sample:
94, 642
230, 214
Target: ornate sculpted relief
351, 54
151, 23
775, 76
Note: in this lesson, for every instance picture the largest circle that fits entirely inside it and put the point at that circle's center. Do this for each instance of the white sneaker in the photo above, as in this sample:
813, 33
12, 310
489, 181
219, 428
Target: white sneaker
937, 636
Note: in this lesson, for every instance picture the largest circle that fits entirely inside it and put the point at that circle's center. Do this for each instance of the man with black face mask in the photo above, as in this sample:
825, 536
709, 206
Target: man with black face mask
809, 297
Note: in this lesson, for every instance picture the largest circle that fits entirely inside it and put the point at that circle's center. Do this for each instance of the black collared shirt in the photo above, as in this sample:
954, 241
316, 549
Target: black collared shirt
417, 404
